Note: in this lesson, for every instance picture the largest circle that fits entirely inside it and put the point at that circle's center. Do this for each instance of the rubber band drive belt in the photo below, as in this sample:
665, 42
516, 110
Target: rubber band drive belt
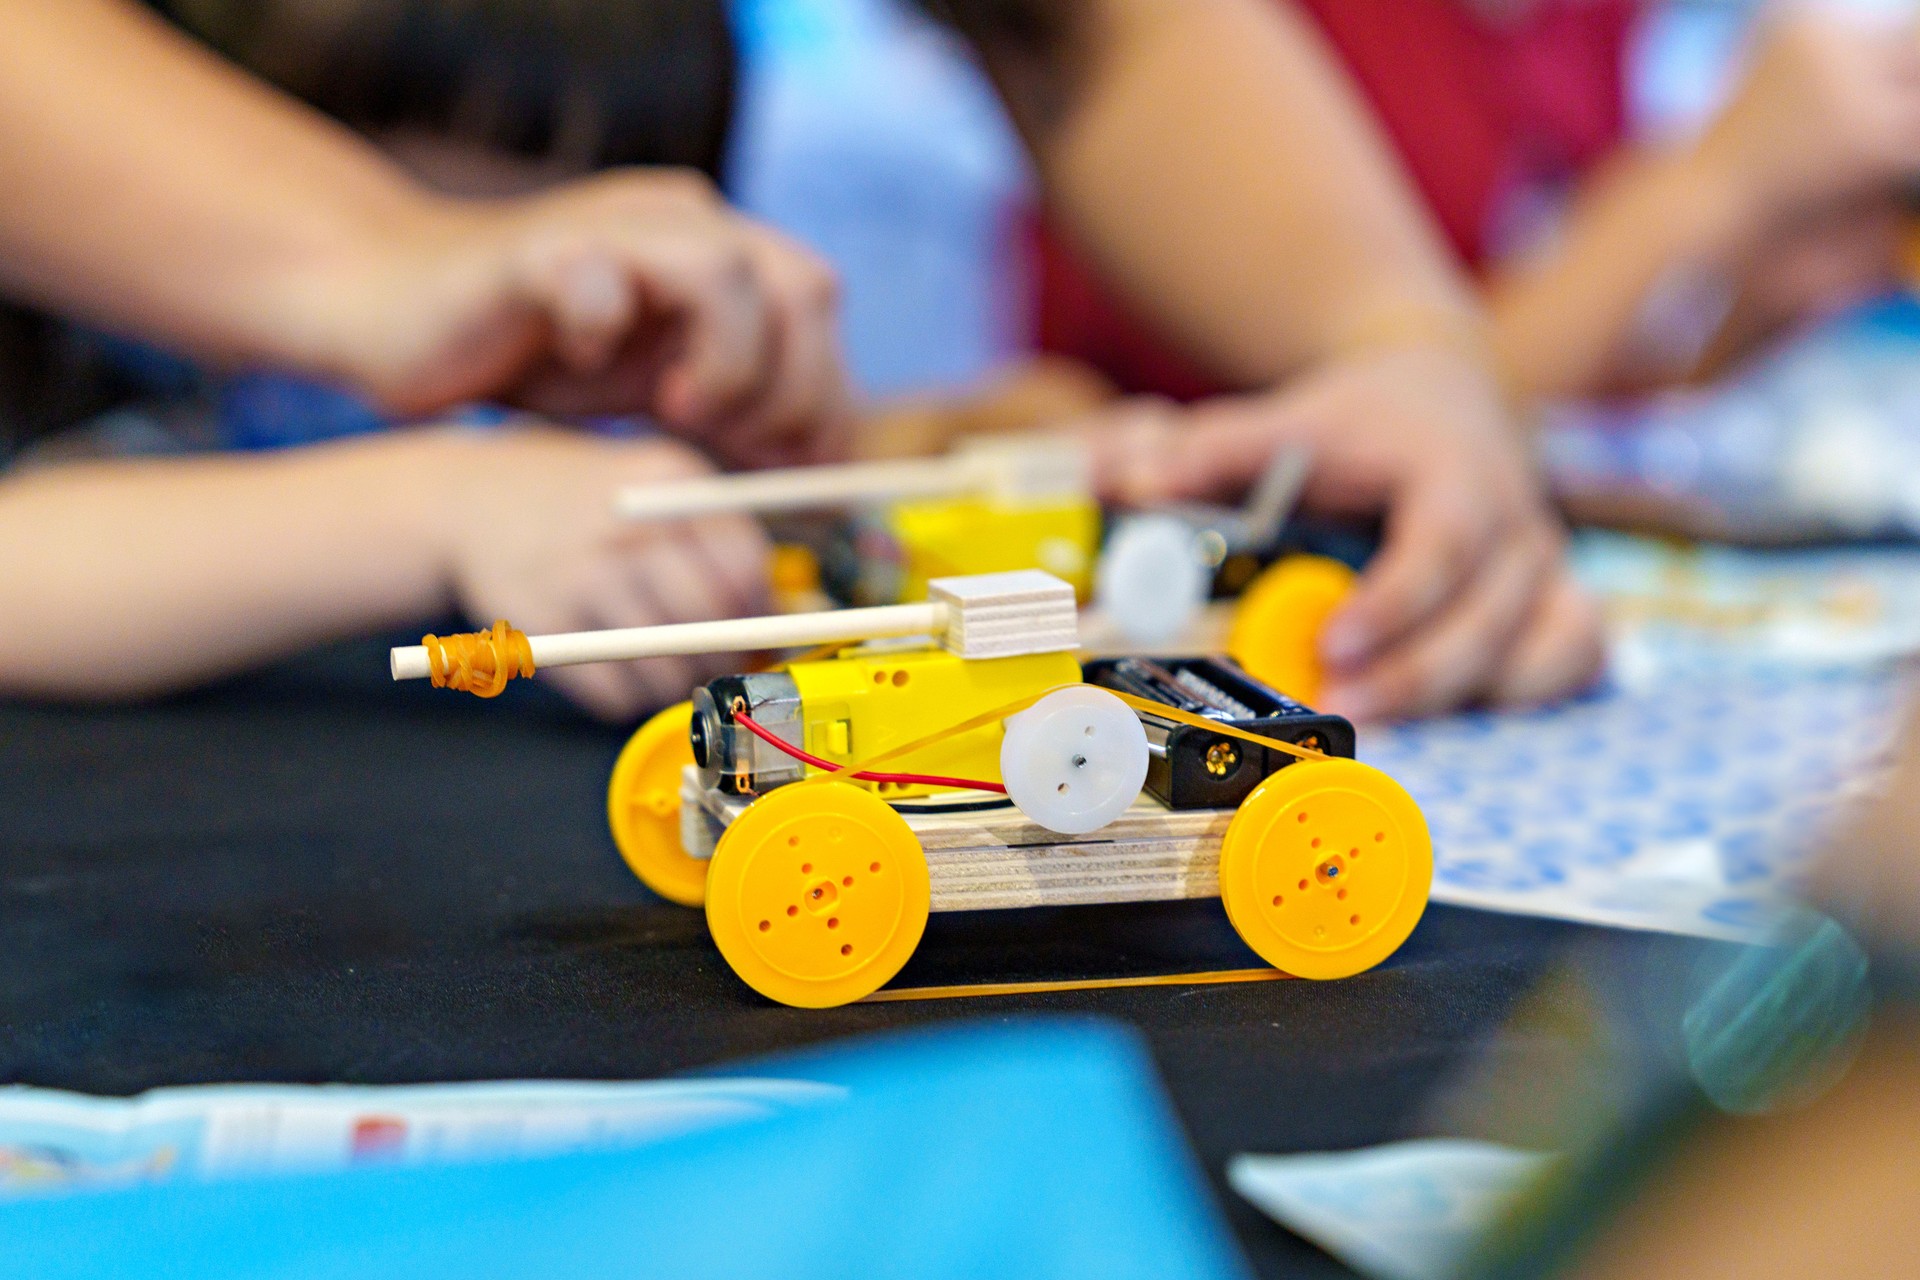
1215, 977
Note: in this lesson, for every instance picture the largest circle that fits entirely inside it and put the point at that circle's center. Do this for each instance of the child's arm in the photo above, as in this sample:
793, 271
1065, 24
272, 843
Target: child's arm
149, 186
1663, 237
133, 578
1208, 157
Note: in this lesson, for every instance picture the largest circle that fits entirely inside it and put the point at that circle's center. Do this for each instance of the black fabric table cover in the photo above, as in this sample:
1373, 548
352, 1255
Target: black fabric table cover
311, 875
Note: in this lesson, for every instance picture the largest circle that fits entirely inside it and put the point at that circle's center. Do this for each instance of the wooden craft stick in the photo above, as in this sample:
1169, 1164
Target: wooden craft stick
736, 635
797, 489
1013, 469
988, 615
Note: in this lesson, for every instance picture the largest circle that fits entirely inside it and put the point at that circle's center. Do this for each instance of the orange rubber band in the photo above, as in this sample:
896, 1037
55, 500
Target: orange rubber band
478, 662
1215, 977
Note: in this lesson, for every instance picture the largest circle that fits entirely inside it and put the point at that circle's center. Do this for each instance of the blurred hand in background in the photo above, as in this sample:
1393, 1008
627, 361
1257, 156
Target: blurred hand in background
1828, 111
150, 188
1224, 180
151, 575
632, 290
154, 189
1468, 599
1678, 259
526, 533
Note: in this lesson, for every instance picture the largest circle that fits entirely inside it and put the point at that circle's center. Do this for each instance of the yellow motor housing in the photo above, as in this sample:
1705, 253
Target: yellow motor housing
949, 537
867, 701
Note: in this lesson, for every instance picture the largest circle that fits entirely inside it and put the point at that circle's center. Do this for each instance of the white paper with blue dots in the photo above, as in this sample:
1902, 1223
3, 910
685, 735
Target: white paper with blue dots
1685, 803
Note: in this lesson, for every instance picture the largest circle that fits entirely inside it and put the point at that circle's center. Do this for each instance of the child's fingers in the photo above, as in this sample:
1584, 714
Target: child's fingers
1218, 451
667, 570
1458, 651
1435, 538
1130, 445
594, 307
725, 323
1562, 647
617, 598
605, 690
601, 691
653, 682
669, 320
734, 554
804, 406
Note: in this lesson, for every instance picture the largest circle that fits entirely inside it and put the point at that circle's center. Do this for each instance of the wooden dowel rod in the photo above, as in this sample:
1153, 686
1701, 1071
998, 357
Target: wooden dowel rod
800, 489
734, 635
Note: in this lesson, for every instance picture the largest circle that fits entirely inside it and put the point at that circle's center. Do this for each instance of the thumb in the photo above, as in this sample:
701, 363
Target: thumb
1224, 446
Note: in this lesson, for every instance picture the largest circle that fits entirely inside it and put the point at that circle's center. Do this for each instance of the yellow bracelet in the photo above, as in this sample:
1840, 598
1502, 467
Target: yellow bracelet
1418, 324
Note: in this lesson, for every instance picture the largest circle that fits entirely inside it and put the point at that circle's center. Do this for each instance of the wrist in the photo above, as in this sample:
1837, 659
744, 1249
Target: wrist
1717, 203
1432, 374
1456, 343
332, 305
413, 484
1420, 324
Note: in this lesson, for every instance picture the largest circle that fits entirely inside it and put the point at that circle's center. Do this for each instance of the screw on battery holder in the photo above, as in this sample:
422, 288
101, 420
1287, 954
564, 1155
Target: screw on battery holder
1221, 759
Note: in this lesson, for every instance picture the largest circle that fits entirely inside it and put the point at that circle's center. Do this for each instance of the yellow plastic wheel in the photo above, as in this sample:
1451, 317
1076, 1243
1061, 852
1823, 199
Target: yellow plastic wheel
1276, 627
643, 807
1326, 868
818, 894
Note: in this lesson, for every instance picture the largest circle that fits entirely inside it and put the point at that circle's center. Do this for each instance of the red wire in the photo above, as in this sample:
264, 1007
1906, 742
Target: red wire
773, 740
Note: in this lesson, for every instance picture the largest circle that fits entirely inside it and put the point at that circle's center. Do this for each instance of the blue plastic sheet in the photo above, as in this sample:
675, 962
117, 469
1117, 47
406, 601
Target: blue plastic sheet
1041, 1149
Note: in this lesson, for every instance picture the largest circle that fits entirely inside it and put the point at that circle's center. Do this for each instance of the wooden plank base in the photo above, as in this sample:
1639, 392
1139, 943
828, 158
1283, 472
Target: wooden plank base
995, 859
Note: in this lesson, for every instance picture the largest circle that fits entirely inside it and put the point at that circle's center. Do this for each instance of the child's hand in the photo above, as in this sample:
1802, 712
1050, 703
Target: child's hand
636, 291
1828, 110
1468, 598
531, 537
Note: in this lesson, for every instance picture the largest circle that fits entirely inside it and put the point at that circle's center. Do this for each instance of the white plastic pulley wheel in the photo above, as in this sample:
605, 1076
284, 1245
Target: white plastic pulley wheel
1075, 760
1152, 580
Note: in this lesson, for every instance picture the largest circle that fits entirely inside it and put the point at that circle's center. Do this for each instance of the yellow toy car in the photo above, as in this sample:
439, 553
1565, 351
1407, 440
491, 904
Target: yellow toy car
821, 811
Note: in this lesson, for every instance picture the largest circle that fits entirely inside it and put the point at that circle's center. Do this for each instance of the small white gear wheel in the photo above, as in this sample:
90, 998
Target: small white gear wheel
1152, 581
1075, 760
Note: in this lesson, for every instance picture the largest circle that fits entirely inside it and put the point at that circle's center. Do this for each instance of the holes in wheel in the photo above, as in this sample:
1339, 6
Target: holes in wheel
833, 922
874, 867
793, 911
765, 925
806, 868
1353, 919
846, 882
847, 950
1278, 899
